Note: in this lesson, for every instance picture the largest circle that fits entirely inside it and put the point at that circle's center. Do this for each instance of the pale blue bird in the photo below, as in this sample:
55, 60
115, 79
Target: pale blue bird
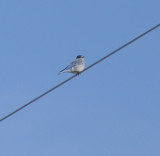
75, 67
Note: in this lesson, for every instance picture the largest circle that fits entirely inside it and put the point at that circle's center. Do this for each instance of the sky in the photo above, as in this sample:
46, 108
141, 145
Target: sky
111, 109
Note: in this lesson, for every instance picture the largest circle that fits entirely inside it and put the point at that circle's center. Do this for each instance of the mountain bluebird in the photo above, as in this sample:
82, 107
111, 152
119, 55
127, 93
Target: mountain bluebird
75, 67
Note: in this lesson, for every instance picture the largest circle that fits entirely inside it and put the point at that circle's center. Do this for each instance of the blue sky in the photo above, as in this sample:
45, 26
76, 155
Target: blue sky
111, 109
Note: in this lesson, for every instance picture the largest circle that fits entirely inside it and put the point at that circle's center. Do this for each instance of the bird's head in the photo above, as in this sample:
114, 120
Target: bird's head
80, 56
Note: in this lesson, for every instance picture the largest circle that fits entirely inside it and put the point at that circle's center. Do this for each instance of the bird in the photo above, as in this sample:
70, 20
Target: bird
75, 67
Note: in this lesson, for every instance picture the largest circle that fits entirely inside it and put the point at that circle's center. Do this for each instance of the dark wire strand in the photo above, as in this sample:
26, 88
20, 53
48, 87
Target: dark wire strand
100, 60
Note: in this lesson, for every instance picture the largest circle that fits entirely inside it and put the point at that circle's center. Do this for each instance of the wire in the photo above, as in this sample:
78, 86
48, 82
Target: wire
100, 60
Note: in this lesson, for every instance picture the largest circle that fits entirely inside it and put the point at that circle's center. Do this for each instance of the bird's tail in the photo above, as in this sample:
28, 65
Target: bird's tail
59, 73
62, 71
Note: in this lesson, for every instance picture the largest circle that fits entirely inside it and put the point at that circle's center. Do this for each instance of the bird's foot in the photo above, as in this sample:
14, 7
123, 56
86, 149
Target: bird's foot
78, 73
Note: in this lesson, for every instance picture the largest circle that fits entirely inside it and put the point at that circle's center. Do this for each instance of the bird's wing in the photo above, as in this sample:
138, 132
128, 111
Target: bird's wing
72, 64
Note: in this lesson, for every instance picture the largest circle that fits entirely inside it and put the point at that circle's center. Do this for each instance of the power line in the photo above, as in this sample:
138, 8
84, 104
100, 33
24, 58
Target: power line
57, 86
